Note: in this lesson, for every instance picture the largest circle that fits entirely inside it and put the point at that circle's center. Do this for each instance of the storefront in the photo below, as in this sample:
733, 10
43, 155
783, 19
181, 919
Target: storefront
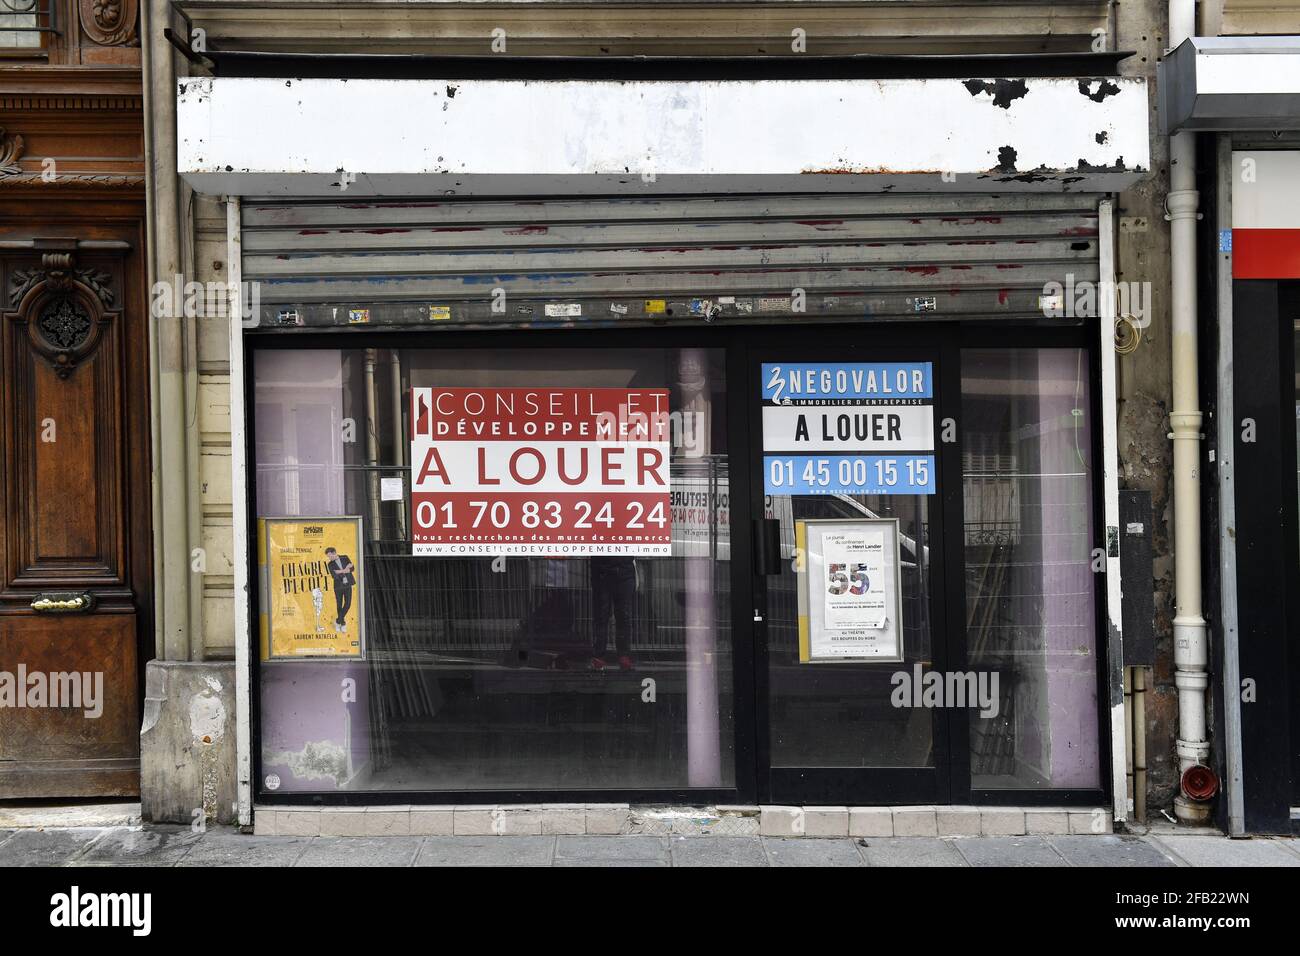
698, 496
1240, 92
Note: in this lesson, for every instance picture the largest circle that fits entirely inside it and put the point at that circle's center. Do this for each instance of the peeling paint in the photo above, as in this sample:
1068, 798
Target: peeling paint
869, 171
1086, 167
1004, 92
207, 716
1029, 177
1104, 89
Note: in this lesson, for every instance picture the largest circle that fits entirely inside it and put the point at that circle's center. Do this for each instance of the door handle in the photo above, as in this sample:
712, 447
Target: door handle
767, 546
60, 603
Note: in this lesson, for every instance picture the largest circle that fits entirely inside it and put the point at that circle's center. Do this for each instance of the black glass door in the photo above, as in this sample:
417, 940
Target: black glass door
849, 589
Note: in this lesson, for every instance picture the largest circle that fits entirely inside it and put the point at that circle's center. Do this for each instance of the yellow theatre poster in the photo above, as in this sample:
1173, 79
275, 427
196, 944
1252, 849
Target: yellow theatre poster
312, 586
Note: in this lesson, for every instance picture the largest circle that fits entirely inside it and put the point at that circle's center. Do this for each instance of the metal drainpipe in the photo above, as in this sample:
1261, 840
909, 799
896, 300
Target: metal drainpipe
1190, 638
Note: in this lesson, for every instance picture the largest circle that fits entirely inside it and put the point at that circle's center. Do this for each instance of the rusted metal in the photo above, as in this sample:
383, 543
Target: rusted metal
708, 258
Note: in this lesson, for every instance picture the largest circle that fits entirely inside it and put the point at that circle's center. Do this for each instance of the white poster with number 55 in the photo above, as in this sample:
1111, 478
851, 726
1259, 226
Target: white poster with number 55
855, 576
853, 590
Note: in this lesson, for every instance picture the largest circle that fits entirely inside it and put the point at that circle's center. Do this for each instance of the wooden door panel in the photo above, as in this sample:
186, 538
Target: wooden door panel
70, 711
67, 421
64, 459
76, 498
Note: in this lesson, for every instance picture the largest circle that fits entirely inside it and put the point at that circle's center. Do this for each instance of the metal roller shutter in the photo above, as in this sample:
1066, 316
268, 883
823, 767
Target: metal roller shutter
732, 258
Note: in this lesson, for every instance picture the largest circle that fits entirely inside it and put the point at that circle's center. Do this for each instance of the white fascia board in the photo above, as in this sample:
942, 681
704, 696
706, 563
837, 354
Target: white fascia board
1266, 189
310, 137
1248, 74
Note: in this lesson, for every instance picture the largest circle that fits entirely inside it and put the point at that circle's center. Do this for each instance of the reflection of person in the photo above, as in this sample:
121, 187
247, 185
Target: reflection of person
344, 573
613, 590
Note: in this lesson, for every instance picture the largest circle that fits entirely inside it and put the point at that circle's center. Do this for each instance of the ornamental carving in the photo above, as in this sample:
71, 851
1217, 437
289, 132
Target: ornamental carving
56, 269
65, 324
11, 148
64, 309
109, 22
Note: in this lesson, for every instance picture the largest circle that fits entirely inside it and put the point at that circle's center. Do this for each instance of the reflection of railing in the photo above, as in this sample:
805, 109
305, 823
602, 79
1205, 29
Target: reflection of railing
526, 610
701, 509
910, 545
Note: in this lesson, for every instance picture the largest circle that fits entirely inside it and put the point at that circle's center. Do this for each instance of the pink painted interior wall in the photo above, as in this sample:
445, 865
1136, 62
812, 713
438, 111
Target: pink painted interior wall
315, 727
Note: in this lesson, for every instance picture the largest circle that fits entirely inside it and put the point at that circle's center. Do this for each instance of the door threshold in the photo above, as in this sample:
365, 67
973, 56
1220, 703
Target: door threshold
623, 819
22, 815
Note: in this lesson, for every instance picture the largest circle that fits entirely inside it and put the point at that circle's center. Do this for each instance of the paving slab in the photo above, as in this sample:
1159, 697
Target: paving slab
592, 849
712, 851
910, 851
812, 852
46, 847
238, 849
1008, 851
359, 851
155, 846
487, 851
1109, 850
1216, 851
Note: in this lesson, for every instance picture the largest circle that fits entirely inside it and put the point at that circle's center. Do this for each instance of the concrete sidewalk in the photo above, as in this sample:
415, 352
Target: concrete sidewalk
179, 846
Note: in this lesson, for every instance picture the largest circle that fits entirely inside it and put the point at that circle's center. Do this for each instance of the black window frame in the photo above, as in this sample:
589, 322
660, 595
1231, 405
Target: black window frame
735, 340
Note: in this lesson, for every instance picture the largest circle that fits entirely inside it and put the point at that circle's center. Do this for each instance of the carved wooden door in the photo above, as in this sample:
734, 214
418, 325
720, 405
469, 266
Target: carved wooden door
74, 531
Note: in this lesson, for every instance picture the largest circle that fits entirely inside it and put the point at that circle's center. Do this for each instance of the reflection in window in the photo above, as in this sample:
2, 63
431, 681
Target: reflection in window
1030, 605
506, 673
840, 714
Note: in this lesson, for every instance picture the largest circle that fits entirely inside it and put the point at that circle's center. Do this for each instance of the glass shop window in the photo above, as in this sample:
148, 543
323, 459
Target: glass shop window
493, 570
1027, 479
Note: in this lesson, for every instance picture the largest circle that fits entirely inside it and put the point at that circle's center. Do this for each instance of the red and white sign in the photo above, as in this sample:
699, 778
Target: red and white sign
540, 471
1266, 214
